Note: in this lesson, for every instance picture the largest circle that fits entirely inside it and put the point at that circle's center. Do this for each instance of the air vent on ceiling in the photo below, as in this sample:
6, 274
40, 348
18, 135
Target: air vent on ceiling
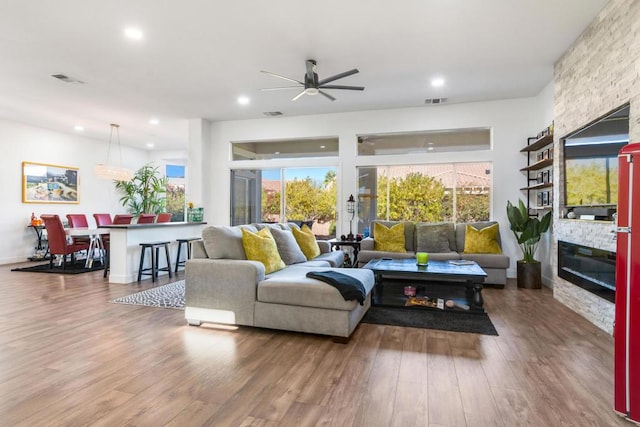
273, 113
67, 79
435, 100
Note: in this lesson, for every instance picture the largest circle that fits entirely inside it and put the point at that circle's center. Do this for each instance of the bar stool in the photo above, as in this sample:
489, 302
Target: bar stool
188, 241
155, 252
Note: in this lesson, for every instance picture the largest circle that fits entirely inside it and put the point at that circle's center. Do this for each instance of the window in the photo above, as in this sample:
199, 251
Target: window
309, 195
448, 140
290, 149
457, 192
175, 191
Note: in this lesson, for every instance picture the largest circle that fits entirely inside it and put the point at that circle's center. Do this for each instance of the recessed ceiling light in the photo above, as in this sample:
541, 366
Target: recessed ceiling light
133, 33
149, 144
437, 82
323, 146
154, 121
277, 152
78, 128
243, 100
430, 148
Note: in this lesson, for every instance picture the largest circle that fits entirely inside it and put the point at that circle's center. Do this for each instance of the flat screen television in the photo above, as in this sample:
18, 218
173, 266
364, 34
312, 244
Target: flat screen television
591, 163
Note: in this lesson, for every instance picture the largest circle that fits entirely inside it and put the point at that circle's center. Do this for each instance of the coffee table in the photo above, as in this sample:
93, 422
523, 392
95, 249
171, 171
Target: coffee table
469, 275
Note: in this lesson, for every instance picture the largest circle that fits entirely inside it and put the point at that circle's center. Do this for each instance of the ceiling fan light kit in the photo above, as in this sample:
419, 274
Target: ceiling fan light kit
312, 85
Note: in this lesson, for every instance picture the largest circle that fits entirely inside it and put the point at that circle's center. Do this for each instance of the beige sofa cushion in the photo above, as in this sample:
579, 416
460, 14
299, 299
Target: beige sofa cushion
488, 260
291, 287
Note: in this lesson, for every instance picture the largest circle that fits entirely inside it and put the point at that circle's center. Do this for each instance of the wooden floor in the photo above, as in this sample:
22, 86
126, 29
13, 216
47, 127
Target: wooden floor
69, 357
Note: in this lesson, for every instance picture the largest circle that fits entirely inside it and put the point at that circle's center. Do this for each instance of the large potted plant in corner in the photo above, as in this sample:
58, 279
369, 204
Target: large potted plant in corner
528, 231
145, 193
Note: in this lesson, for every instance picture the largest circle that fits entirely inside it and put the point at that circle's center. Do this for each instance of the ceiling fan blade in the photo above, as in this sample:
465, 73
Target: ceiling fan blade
338, 76
341, 87
295, 98
327, 95
281, 77
279, 88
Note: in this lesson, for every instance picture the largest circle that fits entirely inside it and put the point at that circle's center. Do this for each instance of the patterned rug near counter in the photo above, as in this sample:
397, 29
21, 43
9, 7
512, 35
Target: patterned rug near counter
172, 296
167, 296
427, 318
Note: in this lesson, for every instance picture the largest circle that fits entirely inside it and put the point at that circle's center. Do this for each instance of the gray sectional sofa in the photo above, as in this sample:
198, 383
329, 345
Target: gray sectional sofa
222, 286
450, 247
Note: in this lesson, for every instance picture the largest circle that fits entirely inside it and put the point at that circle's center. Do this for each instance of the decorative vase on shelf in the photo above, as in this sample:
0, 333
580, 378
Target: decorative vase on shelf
195, 214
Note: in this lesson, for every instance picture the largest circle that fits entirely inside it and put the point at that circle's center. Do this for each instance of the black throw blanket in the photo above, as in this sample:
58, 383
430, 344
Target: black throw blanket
350, 287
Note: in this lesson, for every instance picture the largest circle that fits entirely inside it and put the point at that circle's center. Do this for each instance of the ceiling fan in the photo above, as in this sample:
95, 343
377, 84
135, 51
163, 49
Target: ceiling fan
311, 84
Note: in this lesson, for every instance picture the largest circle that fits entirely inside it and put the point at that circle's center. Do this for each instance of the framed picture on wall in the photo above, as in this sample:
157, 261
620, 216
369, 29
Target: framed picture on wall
44, 183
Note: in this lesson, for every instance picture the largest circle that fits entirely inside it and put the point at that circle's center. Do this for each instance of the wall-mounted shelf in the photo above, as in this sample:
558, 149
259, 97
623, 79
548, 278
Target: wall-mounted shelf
539, 171
538, 144
538, 165
538, 186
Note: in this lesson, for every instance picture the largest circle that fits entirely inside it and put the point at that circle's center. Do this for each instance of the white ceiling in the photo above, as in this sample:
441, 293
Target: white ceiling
198, 56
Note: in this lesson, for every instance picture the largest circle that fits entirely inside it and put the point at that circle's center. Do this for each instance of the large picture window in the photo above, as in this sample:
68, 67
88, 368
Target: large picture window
285, 195
457, 192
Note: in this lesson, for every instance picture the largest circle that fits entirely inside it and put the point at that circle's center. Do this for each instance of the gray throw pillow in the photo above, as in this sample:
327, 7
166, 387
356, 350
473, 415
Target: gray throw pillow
223, 242
288, 248
432, 238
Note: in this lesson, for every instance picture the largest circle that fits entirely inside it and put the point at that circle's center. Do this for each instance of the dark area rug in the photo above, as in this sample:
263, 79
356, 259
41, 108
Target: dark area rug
75, 268
417, 317
167, 296
172, 296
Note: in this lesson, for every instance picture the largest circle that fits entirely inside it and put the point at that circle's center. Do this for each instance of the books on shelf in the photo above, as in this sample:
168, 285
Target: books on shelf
426, 302
460, 262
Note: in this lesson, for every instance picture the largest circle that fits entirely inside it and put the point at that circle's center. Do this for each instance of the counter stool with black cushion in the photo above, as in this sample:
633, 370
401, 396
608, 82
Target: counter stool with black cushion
155, 252
188, 241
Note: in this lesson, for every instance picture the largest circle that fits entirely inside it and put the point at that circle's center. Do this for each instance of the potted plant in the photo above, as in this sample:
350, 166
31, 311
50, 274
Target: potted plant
145, 193
528, 231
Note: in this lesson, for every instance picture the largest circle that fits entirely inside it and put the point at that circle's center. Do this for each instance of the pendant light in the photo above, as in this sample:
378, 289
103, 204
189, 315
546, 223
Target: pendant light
111, 171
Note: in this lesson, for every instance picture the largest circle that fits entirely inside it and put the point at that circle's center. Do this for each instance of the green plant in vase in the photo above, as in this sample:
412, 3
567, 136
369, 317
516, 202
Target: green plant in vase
145, 193
528, 231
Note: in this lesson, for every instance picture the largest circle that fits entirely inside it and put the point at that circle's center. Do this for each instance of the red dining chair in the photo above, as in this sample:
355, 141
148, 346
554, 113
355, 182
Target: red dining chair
123, 219
58, 244
79, 221
103, 219
163, 217
146, 218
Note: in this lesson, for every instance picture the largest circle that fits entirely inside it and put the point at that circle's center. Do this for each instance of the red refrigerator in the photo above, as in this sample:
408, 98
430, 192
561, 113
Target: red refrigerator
627, 314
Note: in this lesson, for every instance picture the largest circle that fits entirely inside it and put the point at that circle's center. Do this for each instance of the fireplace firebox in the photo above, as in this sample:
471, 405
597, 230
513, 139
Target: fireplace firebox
590, 268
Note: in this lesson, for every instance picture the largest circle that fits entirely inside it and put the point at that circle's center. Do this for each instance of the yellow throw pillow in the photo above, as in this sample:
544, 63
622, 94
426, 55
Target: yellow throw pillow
307, 241
484, 241
261, 247
388, 239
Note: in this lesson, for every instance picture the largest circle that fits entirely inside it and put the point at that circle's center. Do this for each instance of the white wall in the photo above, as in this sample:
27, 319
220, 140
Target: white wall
20, 143
546, 254
511, 121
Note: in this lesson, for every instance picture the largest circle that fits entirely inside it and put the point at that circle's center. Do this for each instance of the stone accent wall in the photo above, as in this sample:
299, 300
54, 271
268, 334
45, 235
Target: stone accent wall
597, 74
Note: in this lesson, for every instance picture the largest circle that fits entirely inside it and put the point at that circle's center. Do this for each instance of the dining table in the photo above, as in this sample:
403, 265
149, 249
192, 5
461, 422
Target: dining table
95, 241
